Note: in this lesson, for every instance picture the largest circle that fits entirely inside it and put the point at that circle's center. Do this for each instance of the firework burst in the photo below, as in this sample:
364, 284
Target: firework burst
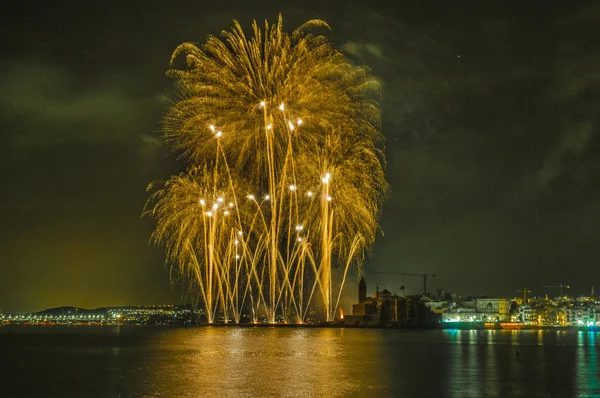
285, 176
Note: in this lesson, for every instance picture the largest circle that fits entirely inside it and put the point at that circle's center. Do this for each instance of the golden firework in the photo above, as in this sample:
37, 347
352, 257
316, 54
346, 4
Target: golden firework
286, 129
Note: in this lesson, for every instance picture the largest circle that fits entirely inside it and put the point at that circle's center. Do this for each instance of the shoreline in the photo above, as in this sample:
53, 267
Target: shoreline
335, 325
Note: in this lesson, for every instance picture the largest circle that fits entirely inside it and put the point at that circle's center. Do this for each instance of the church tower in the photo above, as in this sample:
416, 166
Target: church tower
362, 290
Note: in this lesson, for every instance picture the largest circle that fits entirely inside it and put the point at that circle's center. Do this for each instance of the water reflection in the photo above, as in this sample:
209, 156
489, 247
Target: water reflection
231, 361
518, 363
272, 361
470, 374
490, 359
586, 369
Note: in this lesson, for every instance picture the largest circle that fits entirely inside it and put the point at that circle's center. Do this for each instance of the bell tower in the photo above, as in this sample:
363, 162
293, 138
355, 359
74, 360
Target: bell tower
362, 290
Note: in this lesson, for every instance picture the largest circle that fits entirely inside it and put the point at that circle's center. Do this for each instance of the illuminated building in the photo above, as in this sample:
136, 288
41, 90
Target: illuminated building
582, 316
526, 314
493, 309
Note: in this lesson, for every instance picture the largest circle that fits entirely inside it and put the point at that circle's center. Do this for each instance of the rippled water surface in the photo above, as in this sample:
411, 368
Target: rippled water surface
295, 362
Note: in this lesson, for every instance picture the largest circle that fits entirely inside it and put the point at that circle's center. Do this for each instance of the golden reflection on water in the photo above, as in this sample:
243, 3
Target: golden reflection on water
274, 361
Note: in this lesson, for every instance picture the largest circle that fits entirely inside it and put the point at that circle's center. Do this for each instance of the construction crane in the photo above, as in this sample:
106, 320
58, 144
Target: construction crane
524, 291
561, 286
424, 276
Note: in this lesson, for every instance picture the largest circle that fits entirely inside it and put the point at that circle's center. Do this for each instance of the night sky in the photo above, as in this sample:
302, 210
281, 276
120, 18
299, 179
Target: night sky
491, 112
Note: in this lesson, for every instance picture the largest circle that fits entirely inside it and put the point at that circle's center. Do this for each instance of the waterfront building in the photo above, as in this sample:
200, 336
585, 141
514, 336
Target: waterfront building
526, 314
461, 315
366, 308
388, 309
479, 309
493, 309
588, 315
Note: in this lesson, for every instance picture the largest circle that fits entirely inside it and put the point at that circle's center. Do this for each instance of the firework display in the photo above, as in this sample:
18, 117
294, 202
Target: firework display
284, 177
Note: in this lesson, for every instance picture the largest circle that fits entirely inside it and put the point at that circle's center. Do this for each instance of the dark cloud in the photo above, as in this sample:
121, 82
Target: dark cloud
48, 106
